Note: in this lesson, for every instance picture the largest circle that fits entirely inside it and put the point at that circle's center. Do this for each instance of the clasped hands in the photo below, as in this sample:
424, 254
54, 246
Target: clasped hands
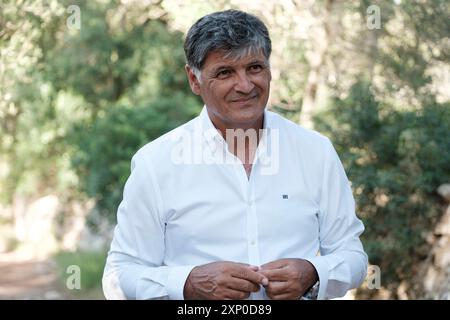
224, 280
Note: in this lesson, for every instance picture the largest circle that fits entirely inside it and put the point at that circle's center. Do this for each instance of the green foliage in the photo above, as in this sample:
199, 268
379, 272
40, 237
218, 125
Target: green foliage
26, 109
395, 161
136, 91
393, 137
94, 96
103, 162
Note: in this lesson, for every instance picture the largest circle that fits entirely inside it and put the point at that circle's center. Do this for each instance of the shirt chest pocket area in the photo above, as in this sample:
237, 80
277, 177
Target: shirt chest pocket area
293, 213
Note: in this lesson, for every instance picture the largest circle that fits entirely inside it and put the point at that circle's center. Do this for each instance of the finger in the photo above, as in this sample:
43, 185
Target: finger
243, 285
248, 274
251, 267
275, 274
277, 287
277, 264
254, 268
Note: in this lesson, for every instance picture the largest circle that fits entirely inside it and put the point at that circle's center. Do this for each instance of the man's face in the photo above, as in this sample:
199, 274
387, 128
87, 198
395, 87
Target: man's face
235, 90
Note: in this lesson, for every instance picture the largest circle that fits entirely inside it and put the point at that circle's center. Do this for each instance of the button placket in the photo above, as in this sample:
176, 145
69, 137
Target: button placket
252, 226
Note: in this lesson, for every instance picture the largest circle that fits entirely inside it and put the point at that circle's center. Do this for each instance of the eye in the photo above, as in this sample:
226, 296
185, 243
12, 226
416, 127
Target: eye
223, 74
255, 68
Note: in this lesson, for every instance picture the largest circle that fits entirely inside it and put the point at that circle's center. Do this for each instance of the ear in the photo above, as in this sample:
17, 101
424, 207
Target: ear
193, 81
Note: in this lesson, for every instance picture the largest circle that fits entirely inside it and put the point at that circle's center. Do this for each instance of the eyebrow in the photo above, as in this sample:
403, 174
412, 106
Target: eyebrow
227, 66
220, 68
256, 61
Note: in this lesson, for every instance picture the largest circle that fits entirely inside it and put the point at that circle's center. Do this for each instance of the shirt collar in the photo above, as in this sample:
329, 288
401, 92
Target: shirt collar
212, 134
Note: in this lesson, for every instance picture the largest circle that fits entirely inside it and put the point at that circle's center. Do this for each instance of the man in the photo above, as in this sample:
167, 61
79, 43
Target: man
239, 202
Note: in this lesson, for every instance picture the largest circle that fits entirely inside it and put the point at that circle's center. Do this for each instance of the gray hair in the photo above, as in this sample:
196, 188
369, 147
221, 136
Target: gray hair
233, 32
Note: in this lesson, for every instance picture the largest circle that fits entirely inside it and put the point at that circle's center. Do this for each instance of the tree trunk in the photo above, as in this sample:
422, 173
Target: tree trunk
316, 62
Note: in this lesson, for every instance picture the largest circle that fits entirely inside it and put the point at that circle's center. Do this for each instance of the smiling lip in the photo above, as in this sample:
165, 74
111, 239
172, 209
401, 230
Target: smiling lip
244, 100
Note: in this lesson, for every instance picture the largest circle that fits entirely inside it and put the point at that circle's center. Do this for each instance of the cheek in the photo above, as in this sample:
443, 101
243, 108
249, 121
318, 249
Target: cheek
222, 90
263, 82
264, 88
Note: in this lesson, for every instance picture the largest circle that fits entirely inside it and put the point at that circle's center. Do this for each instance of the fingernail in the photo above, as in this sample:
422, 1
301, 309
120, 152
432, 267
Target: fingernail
265, 282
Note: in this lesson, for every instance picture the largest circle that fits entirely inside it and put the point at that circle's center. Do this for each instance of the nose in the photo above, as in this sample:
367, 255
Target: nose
243, 83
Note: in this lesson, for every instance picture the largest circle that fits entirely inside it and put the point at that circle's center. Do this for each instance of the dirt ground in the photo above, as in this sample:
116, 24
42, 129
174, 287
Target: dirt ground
28, 279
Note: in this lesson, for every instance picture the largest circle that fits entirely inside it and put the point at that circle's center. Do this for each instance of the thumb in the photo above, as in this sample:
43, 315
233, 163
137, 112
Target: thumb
263, 279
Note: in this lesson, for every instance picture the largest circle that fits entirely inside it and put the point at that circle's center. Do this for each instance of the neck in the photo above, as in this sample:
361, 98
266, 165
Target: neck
242, 139
227, 129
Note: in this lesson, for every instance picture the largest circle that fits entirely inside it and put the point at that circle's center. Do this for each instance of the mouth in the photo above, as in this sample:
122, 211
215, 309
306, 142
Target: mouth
244, 99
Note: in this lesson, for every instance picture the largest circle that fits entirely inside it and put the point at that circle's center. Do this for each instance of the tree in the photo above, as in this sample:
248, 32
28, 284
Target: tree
391, 130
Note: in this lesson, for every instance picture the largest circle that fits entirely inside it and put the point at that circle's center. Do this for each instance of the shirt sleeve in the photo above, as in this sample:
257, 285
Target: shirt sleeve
342, 263
134, 267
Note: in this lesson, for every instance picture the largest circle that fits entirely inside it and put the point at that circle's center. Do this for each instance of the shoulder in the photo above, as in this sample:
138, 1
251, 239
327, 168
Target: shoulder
160, 150
300, 137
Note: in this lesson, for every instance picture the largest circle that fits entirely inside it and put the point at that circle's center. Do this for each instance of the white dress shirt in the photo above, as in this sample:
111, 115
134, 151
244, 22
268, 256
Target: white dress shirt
188, 202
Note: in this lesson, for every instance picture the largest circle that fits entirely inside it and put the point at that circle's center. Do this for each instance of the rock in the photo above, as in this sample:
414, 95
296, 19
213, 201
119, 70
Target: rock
442, 255
443, 227
444, 191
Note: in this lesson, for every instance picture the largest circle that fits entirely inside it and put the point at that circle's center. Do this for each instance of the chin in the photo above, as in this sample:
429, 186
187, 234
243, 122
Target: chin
248, 115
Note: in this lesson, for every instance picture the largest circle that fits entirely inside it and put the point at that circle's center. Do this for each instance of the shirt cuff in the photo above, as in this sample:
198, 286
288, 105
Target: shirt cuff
321, 265
176, 280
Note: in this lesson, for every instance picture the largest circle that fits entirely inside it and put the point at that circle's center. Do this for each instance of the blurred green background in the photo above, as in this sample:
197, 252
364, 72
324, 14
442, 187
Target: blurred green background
79, 97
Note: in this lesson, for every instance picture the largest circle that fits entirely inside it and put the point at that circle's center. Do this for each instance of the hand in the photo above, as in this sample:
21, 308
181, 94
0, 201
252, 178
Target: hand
289, 278
223, 280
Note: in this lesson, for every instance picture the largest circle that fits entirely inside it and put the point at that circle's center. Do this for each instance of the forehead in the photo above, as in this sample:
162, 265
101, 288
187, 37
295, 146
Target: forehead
218, 58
